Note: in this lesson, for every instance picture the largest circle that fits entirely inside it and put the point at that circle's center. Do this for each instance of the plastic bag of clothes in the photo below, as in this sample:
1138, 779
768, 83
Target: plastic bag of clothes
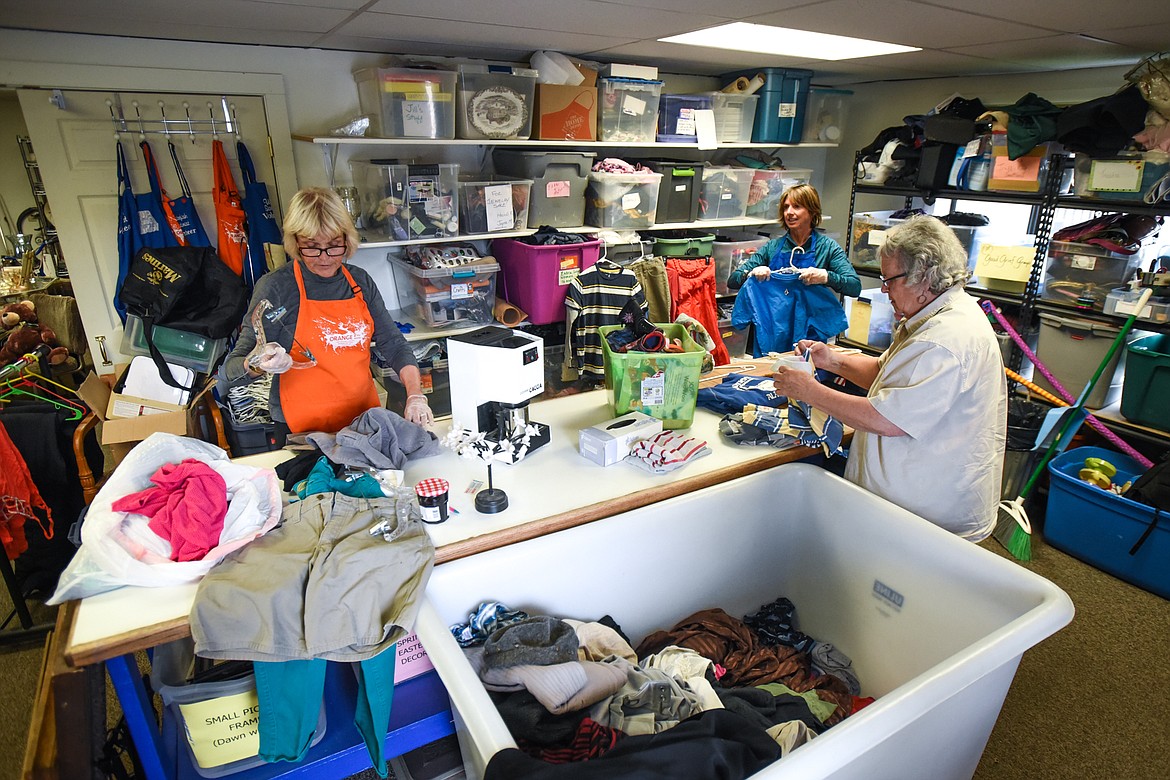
118, 548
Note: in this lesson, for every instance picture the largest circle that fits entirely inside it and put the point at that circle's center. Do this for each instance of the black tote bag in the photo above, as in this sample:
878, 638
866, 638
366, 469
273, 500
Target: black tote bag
186, 288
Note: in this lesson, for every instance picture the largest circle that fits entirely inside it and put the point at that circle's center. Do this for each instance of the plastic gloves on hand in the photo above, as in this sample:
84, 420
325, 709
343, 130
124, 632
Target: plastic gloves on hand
814, 276
417, 411
272, 358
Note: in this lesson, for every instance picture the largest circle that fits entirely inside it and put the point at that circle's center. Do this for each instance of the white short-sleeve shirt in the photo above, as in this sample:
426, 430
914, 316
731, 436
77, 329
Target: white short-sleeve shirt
942, 382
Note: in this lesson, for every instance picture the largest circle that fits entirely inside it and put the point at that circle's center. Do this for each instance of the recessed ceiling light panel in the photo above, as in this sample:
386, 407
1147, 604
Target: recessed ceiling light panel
764, 39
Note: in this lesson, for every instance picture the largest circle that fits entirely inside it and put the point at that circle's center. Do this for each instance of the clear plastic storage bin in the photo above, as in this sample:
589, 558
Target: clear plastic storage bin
629, 109
735, 116
676, 117
407, 102
177, 346
869, 229
1122, 302
1084, 273
768, 187
622, 200
825, 114
404, 202
493, 205
729, 252
463, 294
724, 193
558, 183
495, 105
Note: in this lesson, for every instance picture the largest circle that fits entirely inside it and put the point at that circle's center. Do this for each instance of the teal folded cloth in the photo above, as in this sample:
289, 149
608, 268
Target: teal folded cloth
321, 479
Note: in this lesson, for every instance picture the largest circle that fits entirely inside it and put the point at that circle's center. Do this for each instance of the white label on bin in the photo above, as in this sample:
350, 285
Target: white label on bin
570, 269
1130, 307
633, 106
686, 122
1083, 262
460, 290
631, 200
726, 196
558, 189
654, 390
876, 237
497, 200
418, 119
680, 188
786, 111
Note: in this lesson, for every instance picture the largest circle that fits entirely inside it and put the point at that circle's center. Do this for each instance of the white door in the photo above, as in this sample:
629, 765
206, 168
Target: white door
75, 149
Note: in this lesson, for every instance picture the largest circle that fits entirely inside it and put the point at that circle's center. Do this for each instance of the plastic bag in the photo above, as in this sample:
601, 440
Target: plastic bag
118, 548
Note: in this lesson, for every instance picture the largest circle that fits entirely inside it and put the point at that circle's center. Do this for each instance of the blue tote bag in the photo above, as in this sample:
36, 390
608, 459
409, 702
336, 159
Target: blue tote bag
183, 208
261, 221
153, 225
129, 241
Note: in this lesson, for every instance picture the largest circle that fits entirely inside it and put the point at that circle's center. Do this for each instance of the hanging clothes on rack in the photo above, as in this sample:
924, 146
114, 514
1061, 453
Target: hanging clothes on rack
651, 273
595, 298
183, 208
261, 220
692, 292
232, 240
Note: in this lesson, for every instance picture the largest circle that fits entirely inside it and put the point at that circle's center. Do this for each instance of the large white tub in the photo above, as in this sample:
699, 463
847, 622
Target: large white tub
935, 625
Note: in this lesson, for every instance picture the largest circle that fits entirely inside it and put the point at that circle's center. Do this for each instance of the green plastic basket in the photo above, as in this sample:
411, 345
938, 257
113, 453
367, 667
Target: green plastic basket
684, 243
661, 384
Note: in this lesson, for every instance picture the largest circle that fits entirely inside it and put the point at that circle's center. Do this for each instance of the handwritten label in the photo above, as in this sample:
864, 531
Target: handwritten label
786, 111
224, 729
972, 147
570, 269
653, 389
1010, 263
497, 200
686, 122
1083, 262
1024, 169
631, 200
558, 189
1116, 175
460, 290
418, 119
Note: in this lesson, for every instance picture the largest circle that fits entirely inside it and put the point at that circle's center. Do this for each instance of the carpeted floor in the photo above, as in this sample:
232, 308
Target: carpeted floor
1086, 703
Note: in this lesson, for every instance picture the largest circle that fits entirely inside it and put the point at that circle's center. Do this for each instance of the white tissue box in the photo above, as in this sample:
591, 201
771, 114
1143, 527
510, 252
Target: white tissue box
610, 441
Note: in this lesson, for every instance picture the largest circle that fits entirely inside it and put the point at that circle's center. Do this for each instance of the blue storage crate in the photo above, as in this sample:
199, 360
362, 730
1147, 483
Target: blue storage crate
1100, 527
783, 100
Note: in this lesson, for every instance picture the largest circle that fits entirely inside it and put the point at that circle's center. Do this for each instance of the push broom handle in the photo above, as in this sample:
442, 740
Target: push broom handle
1071, 418
1097, 425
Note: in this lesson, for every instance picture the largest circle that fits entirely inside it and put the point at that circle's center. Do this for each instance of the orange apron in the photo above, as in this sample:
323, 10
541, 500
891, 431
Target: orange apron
328, 396
232, 240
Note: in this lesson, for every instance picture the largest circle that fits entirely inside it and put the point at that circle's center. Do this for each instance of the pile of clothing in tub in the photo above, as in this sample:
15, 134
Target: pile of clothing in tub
713, 697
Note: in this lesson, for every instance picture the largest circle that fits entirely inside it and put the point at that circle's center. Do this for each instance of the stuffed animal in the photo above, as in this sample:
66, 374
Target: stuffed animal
25, 335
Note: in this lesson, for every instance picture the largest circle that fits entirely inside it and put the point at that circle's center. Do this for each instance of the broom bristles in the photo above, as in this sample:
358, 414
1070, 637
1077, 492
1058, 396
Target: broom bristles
1011, 533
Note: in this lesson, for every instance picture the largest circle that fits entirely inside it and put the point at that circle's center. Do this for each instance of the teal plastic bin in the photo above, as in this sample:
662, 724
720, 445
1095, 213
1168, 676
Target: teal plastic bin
783, 100
1146, 389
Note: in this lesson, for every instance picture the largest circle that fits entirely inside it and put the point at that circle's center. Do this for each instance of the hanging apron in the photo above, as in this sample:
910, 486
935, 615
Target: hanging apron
262, 227
229, 213
153, 225
129, 241
797, 257
183, 210
328, 396
157, 188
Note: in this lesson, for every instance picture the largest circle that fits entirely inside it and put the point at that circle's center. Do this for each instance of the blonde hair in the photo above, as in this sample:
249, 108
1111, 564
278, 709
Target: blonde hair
929, 252
802, 195
315, 211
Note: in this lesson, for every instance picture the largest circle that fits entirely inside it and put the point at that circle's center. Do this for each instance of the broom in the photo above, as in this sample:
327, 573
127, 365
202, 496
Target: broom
1013, 529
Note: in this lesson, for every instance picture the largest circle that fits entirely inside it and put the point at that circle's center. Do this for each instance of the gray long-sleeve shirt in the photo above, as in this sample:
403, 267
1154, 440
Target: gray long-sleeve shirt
280, 288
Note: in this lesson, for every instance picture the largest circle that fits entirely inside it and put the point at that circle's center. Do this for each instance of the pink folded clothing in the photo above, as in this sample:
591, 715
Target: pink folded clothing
186, 506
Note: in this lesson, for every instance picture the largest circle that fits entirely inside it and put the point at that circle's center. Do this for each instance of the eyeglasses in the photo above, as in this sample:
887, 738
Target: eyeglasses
314, 251
886, 280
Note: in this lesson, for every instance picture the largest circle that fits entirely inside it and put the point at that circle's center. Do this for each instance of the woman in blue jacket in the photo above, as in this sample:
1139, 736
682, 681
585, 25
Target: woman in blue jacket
820, 259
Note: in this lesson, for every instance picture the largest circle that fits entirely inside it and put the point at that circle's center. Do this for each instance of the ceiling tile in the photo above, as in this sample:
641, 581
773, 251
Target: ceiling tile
1079, 16
472, 33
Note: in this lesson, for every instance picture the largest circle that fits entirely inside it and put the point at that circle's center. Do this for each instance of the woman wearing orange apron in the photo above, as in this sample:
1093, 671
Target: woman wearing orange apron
319, 320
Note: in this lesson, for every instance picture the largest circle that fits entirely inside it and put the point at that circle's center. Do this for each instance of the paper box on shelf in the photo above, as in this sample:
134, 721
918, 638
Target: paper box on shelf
111, 406
608, 442
567, 113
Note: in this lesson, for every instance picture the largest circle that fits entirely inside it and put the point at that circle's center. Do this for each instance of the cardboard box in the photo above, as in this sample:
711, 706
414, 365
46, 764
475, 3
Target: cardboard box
609, 442
110, 406
565, 113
